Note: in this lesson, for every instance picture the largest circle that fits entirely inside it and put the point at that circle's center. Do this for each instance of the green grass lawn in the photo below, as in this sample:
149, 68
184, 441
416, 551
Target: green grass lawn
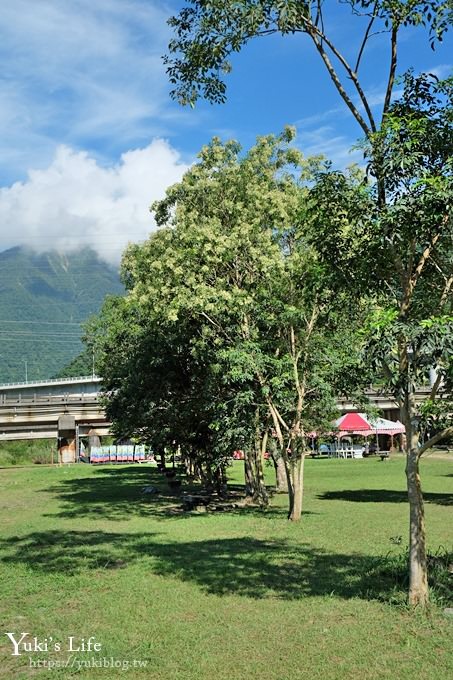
226, 596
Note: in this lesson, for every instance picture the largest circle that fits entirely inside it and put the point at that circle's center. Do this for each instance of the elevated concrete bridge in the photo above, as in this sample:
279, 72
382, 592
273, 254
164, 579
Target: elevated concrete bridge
31, 410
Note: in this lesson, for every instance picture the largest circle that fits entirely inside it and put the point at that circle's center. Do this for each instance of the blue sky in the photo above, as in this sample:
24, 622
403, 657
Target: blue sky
91, 136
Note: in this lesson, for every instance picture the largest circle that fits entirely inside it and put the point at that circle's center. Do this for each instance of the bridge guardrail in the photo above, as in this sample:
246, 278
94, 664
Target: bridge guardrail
51, 381
51, 399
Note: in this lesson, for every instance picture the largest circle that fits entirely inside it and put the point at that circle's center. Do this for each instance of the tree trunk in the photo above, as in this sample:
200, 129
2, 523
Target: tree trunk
198, 472
418, 567
249, 476
297, 478
261, 495
281, 479
221, 481
186, 464
208, 478
255, 487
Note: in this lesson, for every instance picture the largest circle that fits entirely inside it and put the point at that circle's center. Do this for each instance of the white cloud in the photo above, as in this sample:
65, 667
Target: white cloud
86, 74
324, 141
75, 201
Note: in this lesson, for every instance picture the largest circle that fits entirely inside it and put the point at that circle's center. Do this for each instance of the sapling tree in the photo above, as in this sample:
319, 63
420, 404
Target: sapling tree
406, 270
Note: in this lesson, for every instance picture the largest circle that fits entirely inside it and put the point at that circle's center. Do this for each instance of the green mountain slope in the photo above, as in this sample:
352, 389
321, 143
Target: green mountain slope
43, 300
82, 364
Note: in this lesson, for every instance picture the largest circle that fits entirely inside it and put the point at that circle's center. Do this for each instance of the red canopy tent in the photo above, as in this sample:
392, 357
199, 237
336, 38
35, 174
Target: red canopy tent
359, 423
354, 423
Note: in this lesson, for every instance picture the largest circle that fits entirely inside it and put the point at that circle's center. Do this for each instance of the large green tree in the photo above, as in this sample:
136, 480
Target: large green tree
232, 258
206, 34
155, 389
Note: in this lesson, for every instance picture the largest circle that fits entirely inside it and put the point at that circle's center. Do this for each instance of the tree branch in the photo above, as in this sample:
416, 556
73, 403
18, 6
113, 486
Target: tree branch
444, 434
392, 71
412, 249
365, 38
435, 387
446, 291
318, 38
276, 417
411, 282
425, 255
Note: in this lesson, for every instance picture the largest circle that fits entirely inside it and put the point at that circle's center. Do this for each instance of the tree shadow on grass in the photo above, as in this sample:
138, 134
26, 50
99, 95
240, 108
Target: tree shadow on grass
243, 566
382, 496
68, 552
114, 494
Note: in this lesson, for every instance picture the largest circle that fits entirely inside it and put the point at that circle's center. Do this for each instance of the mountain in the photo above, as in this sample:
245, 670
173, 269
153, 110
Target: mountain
82, 364
44, 297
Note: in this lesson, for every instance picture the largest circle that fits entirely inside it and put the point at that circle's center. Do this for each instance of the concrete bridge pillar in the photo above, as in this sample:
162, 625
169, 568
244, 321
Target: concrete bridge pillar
66, 439
93, 440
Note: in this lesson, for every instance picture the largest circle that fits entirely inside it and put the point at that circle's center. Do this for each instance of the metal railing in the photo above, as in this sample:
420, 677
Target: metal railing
6, 400
52, 381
